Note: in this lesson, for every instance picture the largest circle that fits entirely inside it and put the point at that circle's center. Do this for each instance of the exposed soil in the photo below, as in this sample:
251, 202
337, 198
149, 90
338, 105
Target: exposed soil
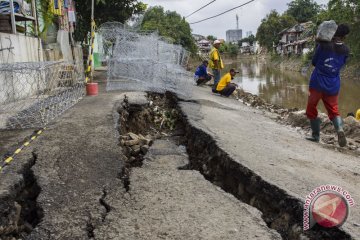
20, 216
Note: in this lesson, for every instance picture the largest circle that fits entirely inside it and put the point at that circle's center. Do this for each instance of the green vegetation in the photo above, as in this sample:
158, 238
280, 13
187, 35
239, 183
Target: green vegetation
348, 12
250, 39
211, 38
105, 11
230, 48
268, 31
342, 11
303, 10
170, 25
46, 17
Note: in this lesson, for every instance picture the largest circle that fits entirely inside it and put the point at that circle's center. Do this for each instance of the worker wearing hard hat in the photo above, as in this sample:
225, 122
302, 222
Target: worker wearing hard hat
216, 63
357, 115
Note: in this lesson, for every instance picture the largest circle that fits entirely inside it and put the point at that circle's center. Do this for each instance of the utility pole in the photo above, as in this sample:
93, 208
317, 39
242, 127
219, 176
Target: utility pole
92, 10
92, 40
237, 22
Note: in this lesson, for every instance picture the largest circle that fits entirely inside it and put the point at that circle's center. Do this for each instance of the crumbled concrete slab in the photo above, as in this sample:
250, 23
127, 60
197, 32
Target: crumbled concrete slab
276, 153
166, 203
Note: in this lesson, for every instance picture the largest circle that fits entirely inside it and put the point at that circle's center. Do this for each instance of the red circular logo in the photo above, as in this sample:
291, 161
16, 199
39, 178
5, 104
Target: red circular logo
330, 210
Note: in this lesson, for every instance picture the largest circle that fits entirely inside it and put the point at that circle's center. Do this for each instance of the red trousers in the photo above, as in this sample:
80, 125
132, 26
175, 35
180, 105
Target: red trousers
330, 102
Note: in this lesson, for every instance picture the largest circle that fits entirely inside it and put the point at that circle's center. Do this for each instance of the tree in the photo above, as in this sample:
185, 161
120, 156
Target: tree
233, 49
348, 12
344, 11
224, 48
105, 11
303, 10
211, 38
46, 19
250, 39
268, 31
170, 25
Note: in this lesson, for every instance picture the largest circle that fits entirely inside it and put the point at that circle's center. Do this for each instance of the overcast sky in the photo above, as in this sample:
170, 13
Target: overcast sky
249, 16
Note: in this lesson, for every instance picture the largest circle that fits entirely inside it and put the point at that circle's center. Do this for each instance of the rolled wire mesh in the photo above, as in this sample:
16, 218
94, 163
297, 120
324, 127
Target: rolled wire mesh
143, 61
34, 93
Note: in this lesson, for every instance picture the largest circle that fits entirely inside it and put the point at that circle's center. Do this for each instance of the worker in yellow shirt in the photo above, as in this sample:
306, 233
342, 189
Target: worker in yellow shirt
225, 87
357, 116
216, 63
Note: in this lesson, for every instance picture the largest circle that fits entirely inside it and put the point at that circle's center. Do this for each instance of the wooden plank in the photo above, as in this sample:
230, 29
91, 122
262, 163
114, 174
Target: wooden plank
12, 16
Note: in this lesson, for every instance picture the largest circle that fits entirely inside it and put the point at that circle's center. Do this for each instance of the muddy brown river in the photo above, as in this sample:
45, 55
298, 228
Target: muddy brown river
288, 88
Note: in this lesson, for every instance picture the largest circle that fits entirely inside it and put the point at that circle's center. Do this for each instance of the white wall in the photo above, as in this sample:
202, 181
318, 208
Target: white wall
17, 48
63, 40
24, 48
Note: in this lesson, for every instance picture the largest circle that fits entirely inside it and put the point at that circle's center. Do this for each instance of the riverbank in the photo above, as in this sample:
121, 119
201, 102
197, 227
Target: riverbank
296, 118
295, 115
300, 64
294, 64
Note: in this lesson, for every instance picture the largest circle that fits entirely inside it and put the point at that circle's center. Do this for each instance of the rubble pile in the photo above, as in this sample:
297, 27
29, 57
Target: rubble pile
259, 103
135, 146
299, 119
141, 124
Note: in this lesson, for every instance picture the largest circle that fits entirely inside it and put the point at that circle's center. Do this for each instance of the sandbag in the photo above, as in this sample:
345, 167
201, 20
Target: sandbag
326, 31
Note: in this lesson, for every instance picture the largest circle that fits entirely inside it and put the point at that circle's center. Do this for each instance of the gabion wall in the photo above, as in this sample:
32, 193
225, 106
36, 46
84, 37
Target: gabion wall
143, 61
34, 93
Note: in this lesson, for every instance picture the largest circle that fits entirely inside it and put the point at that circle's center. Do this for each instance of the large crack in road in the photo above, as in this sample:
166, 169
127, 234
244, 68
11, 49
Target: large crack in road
168, 187
280, 211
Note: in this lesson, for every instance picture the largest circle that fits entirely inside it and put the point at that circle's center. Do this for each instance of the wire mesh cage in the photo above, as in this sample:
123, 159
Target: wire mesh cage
34, 93
143, 61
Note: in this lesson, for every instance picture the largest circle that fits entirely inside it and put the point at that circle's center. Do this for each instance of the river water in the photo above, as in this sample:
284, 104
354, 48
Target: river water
288, 88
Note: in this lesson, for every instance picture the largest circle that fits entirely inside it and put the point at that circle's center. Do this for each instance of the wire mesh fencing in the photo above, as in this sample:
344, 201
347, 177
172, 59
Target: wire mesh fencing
34, 93
143, 61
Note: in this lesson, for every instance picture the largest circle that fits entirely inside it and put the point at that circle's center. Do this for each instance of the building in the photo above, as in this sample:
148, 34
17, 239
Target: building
296, 40
233, 35
204, 45
248, 33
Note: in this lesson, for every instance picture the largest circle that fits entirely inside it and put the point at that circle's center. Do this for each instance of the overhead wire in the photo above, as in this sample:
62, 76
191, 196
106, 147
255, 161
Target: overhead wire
223, 12
200, 8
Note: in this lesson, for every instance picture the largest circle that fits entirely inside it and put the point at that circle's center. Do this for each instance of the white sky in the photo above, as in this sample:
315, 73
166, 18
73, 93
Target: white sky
249, 16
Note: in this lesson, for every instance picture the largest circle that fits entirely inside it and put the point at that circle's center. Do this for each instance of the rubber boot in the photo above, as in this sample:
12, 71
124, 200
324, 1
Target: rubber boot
338, 124
315, 127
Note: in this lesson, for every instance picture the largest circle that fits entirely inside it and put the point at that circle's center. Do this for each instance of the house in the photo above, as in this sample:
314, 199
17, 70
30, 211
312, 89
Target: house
297, 39
249, 48
245, 48
204, 45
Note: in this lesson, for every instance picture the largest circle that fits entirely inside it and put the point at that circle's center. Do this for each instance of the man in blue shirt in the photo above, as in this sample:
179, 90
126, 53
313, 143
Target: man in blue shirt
328, 59
201, 75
